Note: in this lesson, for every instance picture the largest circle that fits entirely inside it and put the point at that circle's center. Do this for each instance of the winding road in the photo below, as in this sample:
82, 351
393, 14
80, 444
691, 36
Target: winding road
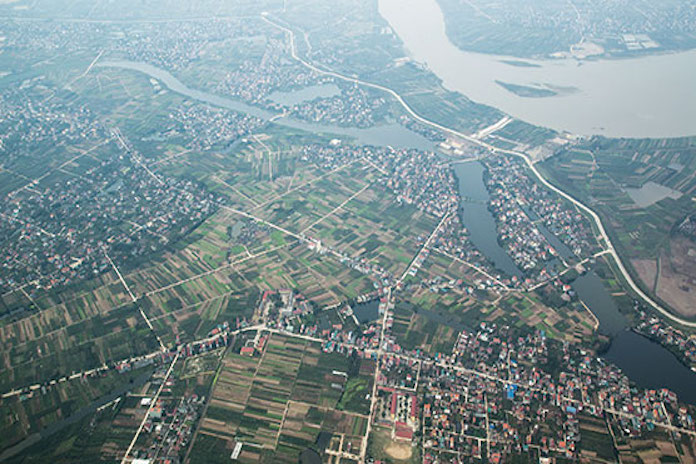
530, 164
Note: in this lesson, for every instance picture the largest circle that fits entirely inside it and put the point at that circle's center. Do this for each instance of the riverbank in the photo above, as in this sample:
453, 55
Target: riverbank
393, 134
651, 96
646, 363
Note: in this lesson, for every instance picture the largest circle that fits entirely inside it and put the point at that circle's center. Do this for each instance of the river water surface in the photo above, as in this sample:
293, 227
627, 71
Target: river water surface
383, 135
478, 220
652, 96
646, 363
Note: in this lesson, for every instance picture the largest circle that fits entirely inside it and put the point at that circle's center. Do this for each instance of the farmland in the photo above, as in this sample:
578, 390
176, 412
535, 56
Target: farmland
194, 270
278, 402
644, 191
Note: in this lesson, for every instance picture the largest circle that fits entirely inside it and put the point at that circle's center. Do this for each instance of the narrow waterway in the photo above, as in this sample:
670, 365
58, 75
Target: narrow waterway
77, 416
645, 362
478, 219
394, 135
560, 247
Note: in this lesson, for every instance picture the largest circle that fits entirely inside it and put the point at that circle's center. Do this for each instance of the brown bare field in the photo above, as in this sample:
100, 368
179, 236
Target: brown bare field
399, 451
677, 282
646, 269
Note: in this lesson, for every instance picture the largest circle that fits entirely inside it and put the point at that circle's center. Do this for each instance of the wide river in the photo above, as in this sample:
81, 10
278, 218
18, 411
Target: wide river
652, 96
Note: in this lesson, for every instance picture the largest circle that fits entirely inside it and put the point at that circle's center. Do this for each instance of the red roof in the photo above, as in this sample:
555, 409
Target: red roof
403, 431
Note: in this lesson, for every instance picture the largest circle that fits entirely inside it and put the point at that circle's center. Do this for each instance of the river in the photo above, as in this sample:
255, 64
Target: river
652, 96
394, 135
646, 363
306, 94
478, 219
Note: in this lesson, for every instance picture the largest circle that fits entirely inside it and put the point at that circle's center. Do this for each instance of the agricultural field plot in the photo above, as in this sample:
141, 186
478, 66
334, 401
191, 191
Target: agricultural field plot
228, 240
131, 104
250, 173
11, 181
255, 175
300, 210
321, 278
278, 402
194, 307
656, 446
644, 190
571, 322
442, 299
60, 163
430, 318
217, 241
240, 172
221, 242
193, 301
78, 334
452, 272
57, 311
35, 411
195, 321
524, 134
84, 346
41, 165
430, 331
642, 196
111, 421
167, 129
596, 441
375, 228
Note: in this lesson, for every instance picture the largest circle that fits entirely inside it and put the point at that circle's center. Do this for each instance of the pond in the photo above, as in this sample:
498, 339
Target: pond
650, 193
366, 312
305, 94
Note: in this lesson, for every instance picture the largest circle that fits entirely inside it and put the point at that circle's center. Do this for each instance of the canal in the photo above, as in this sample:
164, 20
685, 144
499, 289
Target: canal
75, 417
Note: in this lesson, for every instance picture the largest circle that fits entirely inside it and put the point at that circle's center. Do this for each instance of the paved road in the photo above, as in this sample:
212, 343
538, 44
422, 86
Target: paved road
149, 410
425, 246
530, 164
